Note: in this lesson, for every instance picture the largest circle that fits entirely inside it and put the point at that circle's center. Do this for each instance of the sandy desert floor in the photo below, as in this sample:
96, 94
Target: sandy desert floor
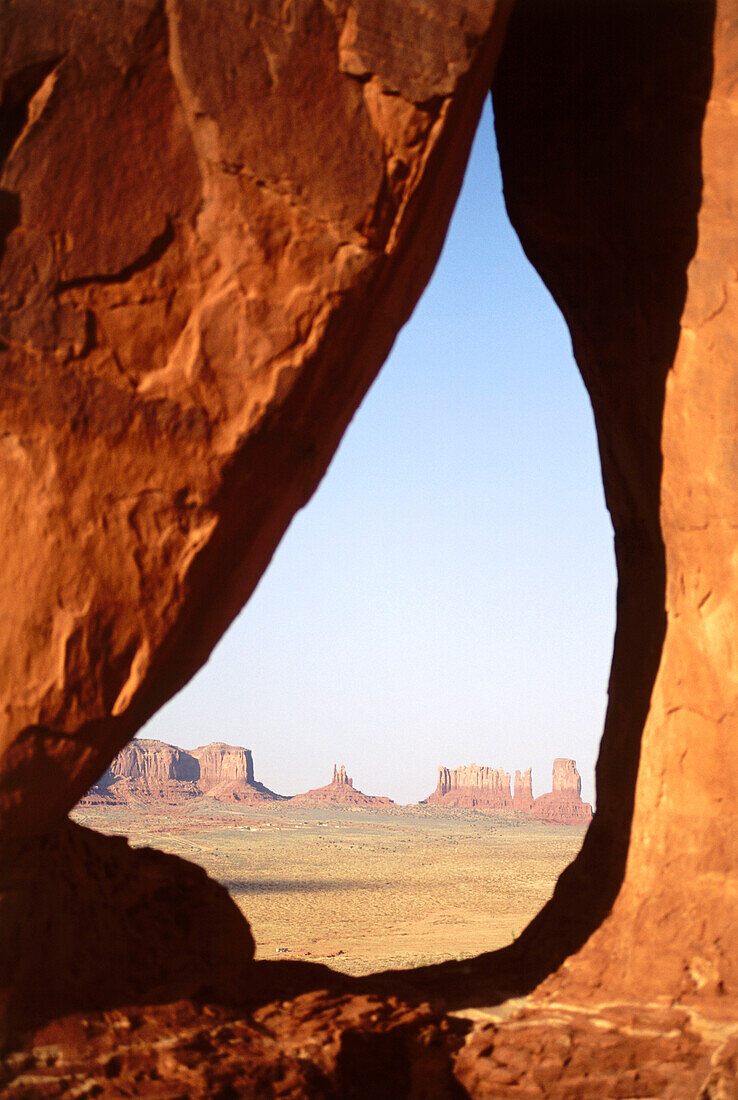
363, 890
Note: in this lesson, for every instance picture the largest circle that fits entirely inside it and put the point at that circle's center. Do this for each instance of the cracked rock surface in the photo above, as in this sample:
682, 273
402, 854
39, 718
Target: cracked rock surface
211, 230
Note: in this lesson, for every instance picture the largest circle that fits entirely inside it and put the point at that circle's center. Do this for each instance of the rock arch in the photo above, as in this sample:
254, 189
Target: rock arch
191, 309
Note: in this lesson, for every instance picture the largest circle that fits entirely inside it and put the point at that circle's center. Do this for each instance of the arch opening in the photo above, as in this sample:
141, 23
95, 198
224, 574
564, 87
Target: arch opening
428, 607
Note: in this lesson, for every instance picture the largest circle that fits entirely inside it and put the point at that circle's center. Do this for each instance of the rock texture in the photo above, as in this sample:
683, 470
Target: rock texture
317, 1046
339, 792
523, 791
472, 787
333, 1045
620, 164
563, 804
153, 771
88, 922
483, 788
212, 230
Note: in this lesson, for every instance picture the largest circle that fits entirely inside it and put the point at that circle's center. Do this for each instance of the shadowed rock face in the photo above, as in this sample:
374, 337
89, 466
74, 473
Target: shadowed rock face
618, 151
210, 234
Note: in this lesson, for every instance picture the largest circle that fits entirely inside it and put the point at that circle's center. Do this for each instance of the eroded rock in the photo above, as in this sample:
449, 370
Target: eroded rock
88, 922
617, 135
212, 230
147, 771
339, 792
473, 787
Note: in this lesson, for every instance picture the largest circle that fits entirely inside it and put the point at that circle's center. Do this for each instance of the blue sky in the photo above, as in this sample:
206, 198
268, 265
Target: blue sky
448, 595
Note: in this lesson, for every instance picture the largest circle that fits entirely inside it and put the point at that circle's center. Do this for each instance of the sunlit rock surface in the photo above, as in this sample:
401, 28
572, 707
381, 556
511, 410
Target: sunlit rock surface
210, 233
212, 230
475, 787
147, 771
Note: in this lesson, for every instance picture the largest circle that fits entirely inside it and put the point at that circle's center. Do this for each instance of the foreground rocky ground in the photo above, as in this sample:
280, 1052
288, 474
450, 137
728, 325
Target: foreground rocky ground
326, 1045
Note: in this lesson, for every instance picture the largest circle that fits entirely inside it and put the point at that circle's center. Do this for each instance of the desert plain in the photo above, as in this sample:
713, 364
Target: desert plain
362, 889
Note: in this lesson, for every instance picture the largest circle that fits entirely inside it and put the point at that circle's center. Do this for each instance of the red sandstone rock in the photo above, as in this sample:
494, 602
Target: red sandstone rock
151, 760
566, 778
563, 804
318, 1045
472, 787
523, 796
219, 763
339, 792
152, 771
210, 232
561, 809
483, 788
620, 165
336, 1045
88, 922
212, 229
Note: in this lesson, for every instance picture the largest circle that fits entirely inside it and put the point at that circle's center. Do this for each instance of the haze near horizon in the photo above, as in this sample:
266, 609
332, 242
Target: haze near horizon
448, 595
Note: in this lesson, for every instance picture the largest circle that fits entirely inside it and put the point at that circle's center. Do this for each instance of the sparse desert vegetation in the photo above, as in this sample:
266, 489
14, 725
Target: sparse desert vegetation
367, 889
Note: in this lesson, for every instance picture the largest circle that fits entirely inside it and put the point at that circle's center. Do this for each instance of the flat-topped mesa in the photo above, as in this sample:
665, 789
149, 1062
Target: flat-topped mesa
563, 805
152, 760
219, 762
471, 786
147, 770
153, 771
340, 779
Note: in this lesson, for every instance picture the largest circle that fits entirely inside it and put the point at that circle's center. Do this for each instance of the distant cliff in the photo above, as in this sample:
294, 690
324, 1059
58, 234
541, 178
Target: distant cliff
523, 797
147, 770
472, 786
563, 804
484, 788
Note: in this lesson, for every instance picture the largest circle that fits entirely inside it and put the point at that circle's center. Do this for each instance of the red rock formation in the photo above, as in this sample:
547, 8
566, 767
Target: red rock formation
152, 771
210, 232
472, 787
151, 760
226, 773
620, 168
566, 778
485, 788
339, 792
220, 763
210, 239
340, 778
154, 926
523, 796
563, 804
